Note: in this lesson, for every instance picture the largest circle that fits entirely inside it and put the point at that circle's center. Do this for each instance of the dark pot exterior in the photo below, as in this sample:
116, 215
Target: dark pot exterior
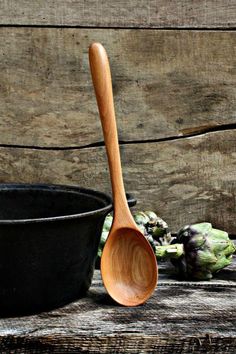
46, 262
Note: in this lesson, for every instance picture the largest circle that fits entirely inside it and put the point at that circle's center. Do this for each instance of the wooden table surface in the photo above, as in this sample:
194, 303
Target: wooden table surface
181, 317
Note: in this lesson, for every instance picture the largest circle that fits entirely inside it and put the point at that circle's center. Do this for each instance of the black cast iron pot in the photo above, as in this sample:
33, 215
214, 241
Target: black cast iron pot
49, 237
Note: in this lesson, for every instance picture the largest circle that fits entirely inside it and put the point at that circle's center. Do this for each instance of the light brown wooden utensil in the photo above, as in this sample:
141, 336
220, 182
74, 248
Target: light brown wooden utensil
128, 264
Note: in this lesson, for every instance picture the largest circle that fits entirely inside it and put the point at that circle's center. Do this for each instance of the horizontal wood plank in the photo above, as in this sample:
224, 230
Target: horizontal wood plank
185, 181
121, 13
181, 317
166, 83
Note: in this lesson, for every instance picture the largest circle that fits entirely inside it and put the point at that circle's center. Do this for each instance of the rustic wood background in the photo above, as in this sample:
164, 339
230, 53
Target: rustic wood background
174, 73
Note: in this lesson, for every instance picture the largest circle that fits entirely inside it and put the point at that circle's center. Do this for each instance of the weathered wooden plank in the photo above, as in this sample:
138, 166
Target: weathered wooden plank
103, 13
181, 317
185, 180
166, 83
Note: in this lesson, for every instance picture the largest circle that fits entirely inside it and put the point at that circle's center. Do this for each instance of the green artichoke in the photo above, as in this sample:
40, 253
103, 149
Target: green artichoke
153, 227
105, 231
200, 251
197, 252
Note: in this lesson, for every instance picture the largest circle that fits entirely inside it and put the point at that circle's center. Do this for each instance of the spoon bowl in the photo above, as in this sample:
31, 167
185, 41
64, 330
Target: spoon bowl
128, 263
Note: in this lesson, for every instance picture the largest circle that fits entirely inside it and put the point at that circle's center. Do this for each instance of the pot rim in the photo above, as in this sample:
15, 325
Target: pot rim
64, 188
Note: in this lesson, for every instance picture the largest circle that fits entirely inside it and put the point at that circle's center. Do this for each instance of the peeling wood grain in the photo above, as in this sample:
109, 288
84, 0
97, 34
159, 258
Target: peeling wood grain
185, 180
181, 317
103, 13
166, 83
119, 344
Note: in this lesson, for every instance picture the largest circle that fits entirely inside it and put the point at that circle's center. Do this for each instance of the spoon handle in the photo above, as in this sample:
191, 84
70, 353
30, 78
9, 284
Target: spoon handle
101, 75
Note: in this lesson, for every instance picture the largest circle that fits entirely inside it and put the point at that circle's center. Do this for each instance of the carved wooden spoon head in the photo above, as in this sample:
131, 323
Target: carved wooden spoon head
128, 264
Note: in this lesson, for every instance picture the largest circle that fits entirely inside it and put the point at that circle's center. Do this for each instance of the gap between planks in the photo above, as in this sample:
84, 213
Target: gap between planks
165, 28
198, 131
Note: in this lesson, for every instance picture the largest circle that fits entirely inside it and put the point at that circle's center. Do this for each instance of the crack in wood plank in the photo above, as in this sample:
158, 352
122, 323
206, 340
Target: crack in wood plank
165, 28
187, 133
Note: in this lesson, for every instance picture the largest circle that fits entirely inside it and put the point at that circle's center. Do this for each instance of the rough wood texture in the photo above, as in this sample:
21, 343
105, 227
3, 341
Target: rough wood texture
112, 13
181, 317
166, 83
184, 180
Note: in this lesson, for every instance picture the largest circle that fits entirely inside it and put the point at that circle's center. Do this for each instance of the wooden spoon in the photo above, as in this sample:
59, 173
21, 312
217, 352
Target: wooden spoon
128, 263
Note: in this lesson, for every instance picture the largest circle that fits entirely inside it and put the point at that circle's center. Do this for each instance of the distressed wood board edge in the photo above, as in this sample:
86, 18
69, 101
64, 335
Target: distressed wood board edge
151, 14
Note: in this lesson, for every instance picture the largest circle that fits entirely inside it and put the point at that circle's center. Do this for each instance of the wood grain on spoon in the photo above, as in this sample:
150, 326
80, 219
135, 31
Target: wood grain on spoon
128, 264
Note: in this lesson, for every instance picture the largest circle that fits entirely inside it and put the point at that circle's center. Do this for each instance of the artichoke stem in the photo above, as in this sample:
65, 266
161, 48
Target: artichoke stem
169, 251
